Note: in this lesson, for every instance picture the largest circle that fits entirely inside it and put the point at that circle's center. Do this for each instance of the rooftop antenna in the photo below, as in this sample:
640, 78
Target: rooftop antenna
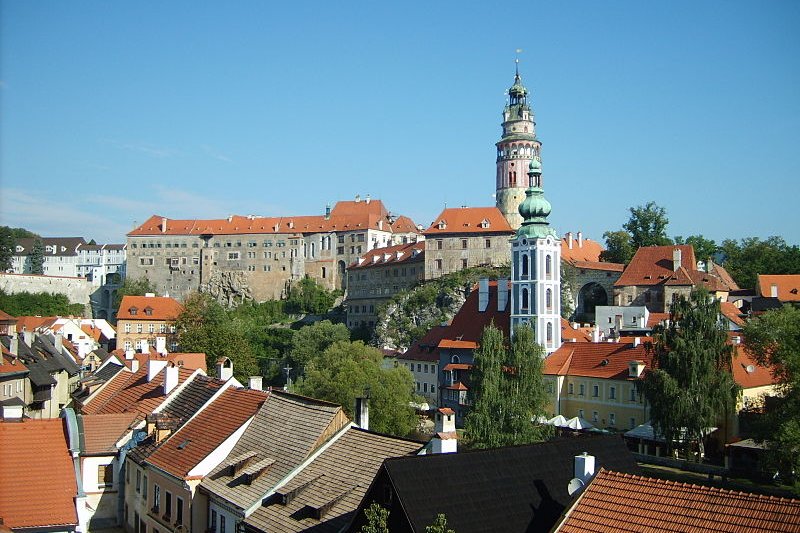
516, 61
287, 368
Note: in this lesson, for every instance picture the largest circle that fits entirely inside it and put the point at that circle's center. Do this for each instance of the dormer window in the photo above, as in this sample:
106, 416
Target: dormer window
485, 223
133, 311
442, 224
148, 311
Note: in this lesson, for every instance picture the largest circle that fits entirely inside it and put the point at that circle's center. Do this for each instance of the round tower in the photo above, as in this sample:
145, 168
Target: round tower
515, 151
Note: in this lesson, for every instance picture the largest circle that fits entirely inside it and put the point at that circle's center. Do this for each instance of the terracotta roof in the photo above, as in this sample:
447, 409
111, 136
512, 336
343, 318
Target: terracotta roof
732, 313
457, 386
624, 502
588, 251
654, 319
599, 265
10, 364
204, 433
163, 308
391, 255
37, 477
31, 323
579, 334
469, 220
604, 360
5, 317
131, 392
449, 343
339, 477
457, 366
788, 286
101, 432
747, 372
94, 333
404, 224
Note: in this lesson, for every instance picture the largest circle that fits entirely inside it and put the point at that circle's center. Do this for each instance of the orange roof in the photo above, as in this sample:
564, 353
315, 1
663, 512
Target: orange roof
731, 312
404, 224
457, 386
457, 366
588, 250
131, 392
450, 343
10, 364
580, 334
623, 502
606, 360
204, 433
161, 308
391, 255
5, 317
93, 332
599, 265
31, 323
101, 432
653, 265
37, 477
788, 286
655, 319
469, 220
747, 372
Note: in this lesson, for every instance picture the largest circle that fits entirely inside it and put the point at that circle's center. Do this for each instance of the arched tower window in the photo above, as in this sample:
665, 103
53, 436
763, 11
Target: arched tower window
455, 359
549, 332
525, 266
524, 299
548, 267
548, 295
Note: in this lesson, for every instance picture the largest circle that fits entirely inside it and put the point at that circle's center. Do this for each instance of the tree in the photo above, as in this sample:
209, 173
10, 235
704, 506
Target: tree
774, 340
567, 284
309, 341
439, 525
619, 248
308, 296
746, 259
647, 226
7, 245
346, 370
36, 257
507, 391
703, 248
40, 303
690, 387
133, 287
377, 518
204, 326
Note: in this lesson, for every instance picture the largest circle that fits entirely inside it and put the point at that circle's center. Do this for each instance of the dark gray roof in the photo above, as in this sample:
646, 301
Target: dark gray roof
515, 489
63, 246
107, 372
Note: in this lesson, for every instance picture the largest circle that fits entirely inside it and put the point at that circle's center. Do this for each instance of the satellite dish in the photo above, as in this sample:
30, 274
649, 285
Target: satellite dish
750, 369
575, 484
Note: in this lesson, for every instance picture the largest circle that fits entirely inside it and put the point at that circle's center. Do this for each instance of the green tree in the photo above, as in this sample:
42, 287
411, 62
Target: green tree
439, 525
310, 341
619, 248
647, 226
774, 339
345, 370
567, 286
36, 257
7, 245
690, 387
133, 287
308, 296
377, 518
205, 326
748, 258
703, 248
507, 391
40, 303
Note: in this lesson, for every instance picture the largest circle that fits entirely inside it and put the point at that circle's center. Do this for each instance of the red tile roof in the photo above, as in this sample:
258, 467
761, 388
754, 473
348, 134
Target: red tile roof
163, 308
31, 323
788, 286
101, 432
588, 251
204, 433
747, 372
192, 360
469, 220
580, 334
449, 343
731, 312
5, 317
599, 265
625, 502
653, 265
404, 224
10, 364
391, 255
654, 319
37, 477
606, 360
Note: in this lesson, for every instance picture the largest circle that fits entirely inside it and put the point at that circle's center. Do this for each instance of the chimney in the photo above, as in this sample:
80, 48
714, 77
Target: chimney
27, 337
161, 345
12, 412
637, 341
362, 412
676, 259
483, 294
773, 290
569, 240
445, 438
580, 239
327, 211
163, 224
134, 365
170, 377
584, 467
502, 294
149, 295
358, 198
224, 369
154, 366
14, 345
380, 222
129, 354
367, 199
635, 368
143, 346
59, 342
256, 382
736, 340
596, 333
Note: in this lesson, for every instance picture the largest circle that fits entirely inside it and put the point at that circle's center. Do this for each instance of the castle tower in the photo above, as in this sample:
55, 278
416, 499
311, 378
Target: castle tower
515, 150
536, 267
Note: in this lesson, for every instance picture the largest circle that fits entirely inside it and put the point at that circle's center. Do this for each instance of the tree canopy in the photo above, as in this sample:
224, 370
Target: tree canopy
308, 296
690, 387
703, 248
40, 303
346, 370
133, 287
310, 341
506, 391
774, 339
647, 226
746, 259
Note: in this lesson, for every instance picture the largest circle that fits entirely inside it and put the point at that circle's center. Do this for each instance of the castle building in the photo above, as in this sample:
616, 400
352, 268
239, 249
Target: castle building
515, 150
536, 267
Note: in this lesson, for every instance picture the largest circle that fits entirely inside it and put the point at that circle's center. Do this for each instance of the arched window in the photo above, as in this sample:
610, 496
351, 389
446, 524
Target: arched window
455, 359
549, 299
524, 299
548, 267
549, 332
525, 266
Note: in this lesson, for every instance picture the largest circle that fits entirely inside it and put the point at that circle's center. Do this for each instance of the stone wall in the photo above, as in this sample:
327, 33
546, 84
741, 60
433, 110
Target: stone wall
448, 254
78, 290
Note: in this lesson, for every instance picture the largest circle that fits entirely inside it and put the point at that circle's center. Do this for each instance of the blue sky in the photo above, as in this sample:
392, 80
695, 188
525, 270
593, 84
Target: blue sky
115, 111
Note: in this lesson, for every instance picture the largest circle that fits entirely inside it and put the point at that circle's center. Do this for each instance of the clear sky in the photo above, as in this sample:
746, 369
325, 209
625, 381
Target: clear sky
115, 111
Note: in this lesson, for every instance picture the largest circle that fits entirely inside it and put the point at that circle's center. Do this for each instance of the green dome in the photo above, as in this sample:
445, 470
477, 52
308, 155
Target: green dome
535, 205
535, 208
535, 166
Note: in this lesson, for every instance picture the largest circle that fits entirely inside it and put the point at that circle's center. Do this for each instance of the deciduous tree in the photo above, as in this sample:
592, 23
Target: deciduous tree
133, 287
647, 225
619, 248
310, 341
774, 339
703, 248
308, 296
749, 257
377, 519
7, 245
691, 387
439, 525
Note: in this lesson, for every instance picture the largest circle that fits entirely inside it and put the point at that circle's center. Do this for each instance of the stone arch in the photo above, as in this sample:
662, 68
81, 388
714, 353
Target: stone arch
590, 296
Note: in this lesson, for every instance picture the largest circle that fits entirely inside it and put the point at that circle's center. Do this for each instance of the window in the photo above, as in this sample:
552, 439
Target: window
595, 391
612, 419
162, 328
595, 416
612, 393
156, 497
463, 263
632, 423
580, 413
105, 475
571, 388
127, 475
138, 328
146, 261
426, 368
464, 244
549, 299
151, 328
138, 480
167, 505
548, 266
127, 328
144, 486
438, 264
488, 243
178, 511
633, 394
439, 245
221, 524
582, 389
233, 256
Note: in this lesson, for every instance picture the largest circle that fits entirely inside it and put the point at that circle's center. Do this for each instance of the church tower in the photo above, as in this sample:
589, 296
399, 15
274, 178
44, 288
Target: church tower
515, 151
536, 267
